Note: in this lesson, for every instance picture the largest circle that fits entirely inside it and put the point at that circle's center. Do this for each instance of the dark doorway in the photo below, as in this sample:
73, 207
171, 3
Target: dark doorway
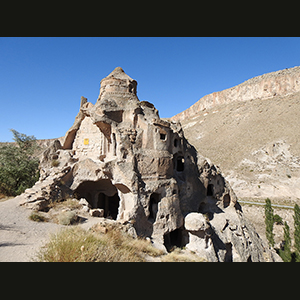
173, 239
180, 164
100, 194
109, 204
153, 206
210, 190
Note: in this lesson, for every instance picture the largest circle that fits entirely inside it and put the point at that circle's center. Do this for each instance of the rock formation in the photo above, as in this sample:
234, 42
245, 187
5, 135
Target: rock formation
279, 83
251, 132
136, 168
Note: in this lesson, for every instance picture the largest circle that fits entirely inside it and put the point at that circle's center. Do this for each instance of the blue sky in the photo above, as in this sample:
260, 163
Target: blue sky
42, 79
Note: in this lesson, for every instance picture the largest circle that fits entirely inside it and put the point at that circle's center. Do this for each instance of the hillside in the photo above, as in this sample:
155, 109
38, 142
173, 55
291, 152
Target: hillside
255, 140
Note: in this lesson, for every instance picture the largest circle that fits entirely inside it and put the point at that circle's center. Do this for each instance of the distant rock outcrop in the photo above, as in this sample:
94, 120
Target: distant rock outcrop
251, 132
280, 83
133, 167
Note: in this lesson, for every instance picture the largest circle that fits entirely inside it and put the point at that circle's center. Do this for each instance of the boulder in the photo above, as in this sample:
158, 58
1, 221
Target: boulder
84, 202
97, 212
195, 222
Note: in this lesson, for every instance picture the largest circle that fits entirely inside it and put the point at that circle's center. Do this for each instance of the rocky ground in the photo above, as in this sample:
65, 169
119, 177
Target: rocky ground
21, 238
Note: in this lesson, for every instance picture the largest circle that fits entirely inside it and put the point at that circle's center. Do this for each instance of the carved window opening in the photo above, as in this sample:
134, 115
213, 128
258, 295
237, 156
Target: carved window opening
210, 190
175, 143
153, 207
114, 144
226, 201
163, 136
180, 164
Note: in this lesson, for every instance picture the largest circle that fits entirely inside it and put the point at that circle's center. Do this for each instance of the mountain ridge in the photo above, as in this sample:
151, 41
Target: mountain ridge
265, 86
254, 141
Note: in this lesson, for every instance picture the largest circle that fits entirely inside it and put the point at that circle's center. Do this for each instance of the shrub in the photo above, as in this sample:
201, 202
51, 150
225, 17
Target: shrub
286, 253
18, 166
278, 220
67, 218
54, 163
37, 217
297, 231
269, 221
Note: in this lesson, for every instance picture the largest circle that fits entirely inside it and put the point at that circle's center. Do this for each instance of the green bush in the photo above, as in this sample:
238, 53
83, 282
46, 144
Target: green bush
269, 221
297, 231
18, 166
286, 253
278, 220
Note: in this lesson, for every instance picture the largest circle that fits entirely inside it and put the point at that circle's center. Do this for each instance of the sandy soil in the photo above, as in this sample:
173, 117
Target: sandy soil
21, 238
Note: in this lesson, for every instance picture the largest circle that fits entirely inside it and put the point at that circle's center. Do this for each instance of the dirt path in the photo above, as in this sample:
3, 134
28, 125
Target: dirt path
20, 238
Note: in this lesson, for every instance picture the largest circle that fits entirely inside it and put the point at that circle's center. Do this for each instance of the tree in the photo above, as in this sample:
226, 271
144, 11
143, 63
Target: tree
269, 221
18, 166
297, 231
286, 253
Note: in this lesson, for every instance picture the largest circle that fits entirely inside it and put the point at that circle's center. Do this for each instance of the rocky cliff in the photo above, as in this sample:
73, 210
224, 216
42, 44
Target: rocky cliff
266, 86
251, 132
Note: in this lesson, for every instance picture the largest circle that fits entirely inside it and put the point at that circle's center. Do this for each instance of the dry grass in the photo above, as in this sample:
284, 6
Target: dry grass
78, 245
68, 203
178, 255
4, 197
37, 217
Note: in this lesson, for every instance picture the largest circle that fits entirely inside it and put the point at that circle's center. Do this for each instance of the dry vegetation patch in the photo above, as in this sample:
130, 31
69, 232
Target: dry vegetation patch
75, 244
78, 245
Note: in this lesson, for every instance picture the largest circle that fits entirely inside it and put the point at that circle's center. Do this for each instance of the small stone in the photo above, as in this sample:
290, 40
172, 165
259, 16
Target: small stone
97, 212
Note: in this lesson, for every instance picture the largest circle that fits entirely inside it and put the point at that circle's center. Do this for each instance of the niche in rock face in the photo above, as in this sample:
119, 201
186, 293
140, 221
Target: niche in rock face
109, 204
174, 239
100, 194
153, 206
210, 190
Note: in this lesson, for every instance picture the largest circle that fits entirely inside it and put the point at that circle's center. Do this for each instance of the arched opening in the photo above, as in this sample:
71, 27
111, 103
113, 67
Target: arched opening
109, 204
173, 239
175, 142
153, 206
226, 200
210, 190
100, 194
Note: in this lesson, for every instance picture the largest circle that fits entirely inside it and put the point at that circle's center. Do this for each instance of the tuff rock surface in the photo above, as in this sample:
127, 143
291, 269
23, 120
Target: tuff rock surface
138, 169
